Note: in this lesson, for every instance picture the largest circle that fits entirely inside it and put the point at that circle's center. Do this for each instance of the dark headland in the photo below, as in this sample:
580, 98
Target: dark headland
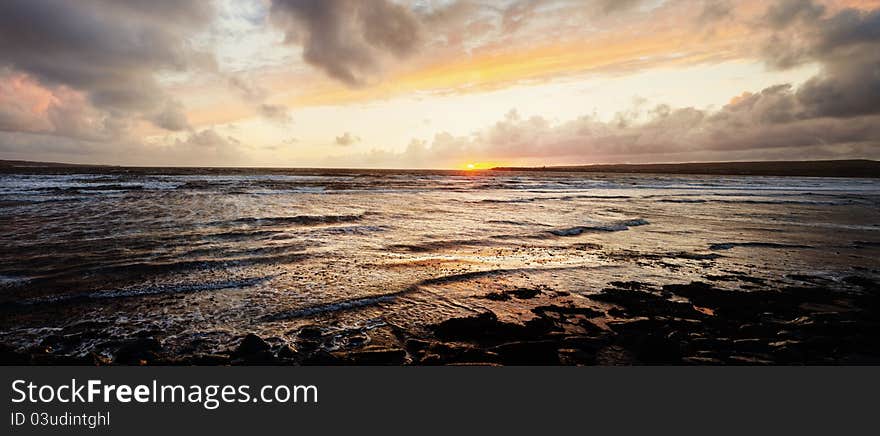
814, 168
32, 164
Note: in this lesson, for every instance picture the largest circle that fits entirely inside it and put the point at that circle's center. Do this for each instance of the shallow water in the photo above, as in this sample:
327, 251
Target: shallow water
201, 257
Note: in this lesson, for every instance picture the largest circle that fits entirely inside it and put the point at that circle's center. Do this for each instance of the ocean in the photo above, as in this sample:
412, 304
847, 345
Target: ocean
326, 264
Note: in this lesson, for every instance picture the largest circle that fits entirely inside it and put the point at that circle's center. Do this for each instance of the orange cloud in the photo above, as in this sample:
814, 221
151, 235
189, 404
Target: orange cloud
669, 36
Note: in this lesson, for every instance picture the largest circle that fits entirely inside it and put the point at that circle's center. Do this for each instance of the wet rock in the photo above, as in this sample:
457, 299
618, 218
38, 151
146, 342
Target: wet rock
417, 344
617, 312
441, 353
787, 352
519, 293
8, 356
310, 332
497, 296
357, 340
748, 360
749, 345
252, 345
287, 352
567, 310
543, 352
588, 343
524, 293
699, 360
322, 358
378, 356
758, 329
632, 285
642, 303
614, 355
211, 360
657, 348
574, 356
485, 328
139, 351
863, 282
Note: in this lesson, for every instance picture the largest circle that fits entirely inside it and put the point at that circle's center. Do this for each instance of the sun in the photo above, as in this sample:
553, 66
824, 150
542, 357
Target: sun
477, 166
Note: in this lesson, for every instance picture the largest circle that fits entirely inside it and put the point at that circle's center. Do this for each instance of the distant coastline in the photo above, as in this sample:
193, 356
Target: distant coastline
35, 164
858, 168
861, 168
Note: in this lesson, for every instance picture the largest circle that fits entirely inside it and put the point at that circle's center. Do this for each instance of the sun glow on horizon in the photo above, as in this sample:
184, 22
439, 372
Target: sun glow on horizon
476, 166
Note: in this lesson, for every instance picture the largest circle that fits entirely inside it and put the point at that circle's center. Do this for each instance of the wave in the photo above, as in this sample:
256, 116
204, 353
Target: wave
331, 307
794, 202
146, 291
558, 198
242, 235
373, 300
303, 220
353, 230
10, 281
127, 269
866, 244
429, 246
515, 223
729, 245
613, 227
681, 200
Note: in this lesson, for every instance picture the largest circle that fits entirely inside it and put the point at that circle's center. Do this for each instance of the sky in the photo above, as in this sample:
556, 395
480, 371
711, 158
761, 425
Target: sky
438, 83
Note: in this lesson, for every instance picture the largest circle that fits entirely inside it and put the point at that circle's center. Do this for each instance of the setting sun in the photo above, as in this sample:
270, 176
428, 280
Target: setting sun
471, 166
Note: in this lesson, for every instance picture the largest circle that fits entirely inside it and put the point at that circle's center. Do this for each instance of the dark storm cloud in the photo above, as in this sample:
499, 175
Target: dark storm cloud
108, 50
846, 44
348, 38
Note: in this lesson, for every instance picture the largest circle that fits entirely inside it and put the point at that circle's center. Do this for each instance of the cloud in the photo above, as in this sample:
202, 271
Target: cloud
835, 114
208, 138
347, 139
518, 13
754, 126
257, 96
274, 112
348, 39
171, 117
846, 44
195, 148
247, 89
714, 11
204, 147
109, 51
81, 77
611, 6
786, 12
27, 106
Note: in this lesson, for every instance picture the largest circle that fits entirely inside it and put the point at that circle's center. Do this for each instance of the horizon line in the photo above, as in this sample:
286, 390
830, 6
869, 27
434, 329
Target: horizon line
10, 163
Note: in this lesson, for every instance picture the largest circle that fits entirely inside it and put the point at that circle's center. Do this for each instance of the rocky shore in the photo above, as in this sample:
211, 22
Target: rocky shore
627, 323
